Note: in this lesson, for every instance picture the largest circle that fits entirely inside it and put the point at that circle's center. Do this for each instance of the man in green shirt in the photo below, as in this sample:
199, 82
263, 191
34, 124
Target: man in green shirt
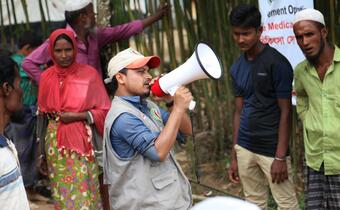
317, 86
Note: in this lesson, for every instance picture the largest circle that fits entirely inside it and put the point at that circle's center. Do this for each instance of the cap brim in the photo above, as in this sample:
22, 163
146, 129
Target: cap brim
150, 61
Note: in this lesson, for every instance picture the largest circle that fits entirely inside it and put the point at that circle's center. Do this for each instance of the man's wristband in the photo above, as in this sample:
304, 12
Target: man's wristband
279, 159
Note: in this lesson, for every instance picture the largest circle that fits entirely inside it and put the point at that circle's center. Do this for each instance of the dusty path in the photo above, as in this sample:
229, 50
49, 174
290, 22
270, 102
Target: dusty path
41, 205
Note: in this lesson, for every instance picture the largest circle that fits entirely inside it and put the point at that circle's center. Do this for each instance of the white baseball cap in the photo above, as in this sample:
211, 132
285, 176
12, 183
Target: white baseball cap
74, 5
309, 14
131, 59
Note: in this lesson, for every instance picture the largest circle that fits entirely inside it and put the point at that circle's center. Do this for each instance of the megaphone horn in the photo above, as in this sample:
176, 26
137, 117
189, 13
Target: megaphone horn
202, 64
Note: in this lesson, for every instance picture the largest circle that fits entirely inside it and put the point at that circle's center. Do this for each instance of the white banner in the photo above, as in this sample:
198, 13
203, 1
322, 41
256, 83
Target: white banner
277, 18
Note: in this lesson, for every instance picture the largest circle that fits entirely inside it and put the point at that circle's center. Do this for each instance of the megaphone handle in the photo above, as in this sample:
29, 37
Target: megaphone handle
192, 105
172, 91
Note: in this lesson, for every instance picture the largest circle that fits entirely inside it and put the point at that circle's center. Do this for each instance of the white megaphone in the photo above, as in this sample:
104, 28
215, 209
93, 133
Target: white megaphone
201, 65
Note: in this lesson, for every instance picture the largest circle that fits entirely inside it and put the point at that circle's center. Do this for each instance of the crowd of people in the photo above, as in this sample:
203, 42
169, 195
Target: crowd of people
57, 119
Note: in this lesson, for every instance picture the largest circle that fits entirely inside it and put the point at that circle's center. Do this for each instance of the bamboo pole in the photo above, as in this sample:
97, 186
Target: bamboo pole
24, 7
10, 26
150, 10
43, 19
332, 19
159, 43
3, 35
179, 27
168, 28
17, 29
48, 13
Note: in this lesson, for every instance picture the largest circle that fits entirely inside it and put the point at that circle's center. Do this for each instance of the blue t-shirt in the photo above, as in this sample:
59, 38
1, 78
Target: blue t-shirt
261, 82
130, 135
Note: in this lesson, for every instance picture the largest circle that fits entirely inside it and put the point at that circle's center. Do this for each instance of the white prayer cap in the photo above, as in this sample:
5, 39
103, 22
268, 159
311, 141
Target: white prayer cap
309, 14
131, 59
74, 5
224, 203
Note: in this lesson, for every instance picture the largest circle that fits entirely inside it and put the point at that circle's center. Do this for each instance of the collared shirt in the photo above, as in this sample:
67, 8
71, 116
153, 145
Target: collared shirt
318, 105
86, 55
130, 135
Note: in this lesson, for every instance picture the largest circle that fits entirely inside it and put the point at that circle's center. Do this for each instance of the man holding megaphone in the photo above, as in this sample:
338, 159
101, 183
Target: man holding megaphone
139, 166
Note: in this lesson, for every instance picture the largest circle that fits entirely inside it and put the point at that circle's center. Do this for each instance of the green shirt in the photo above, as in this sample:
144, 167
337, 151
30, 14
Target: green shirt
27, 85
318, 105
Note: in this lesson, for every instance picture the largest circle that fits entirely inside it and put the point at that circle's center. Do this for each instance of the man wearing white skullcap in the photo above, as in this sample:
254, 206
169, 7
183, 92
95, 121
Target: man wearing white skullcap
81, 20
75, 5
318, 105
309, 14
139, 165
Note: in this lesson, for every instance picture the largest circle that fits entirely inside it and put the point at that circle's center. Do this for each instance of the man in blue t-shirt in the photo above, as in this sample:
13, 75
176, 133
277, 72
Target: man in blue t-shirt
262, 80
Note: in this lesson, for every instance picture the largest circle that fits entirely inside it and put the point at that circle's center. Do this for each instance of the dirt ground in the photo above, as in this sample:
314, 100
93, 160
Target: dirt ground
208, 177
212, 176
214, 180
41, 205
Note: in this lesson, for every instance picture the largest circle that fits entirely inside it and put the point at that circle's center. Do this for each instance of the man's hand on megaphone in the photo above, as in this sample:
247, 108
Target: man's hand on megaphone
182, 99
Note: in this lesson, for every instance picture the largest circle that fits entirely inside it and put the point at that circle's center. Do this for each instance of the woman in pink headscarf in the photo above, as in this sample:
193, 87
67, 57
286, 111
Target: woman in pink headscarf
73, 98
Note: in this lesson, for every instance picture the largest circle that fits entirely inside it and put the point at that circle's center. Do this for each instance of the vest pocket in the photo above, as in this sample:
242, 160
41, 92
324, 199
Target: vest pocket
163, 180
168, 190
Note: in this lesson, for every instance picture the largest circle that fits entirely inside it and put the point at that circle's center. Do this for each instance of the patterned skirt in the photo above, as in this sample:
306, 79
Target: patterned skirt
74, 179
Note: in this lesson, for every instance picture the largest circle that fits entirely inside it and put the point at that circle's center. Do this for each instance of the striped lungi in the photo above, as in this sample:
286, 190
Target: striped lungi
322, 191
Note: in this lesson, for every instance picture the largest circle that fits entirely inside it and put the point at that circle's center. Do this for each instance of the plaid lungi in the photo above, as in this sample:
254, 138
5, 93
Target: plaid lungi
322, 191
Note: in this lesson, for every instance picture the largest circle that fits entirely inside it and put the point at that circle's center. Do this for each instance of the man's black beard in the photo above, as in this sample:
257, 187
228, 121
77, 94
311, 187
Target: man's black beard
313, 59
18, 116
145, 95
